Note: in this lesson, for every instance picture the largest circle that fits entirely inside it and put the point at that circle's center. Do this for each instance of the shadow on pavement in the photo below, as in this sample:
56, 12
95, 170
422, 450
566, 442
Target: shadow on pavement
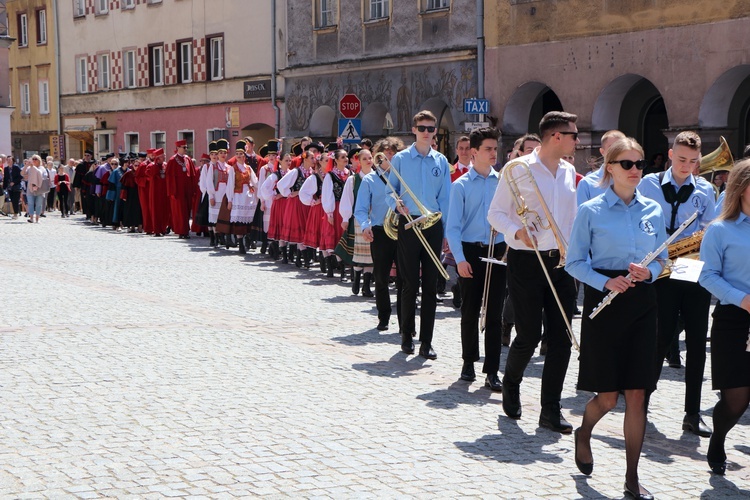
397, 366
458, 394
513, 445
723, 487
371, 336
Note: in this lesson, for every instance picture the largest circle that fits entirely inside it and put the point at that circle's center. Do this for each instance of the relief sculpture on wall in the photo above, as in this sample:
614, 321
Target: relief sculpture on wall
450, 83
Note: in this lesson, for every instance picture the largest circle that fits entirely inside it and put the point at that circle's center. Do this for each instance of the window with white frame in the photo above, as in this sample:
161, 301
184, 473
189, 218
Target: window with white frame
103, 141
128, 4
215, 57
156, 65
82, 75
25, 99
158, 139
43, 97
185, 62
41, 27
102, 6
23, 30
325, 13
102, 65
131, 142
436, 4
79, 8
378, 9
128, 70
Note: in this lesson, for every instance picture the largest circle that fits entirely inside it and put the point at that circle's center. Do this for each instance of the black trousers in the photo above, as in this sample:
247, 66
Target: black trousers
412, 257
384, 255
692, 302
63, 197
530, 292
471, 303
15, 199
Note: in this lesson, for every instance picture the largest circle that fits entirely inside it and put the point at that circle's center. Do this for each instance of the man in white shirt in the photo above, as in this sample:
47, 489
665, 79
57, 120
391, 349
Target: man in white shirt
529, 289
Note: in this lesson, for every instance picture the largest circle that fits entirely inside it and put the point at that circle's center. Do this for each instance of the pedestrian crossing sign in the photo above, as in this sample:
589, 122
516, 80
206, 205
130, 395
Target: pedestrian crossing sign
350, 130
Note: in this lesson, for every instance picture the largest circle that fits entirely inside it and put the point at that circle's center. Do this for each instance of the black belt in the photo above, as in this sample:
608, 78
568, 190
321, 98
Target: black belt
476, 244
552, 254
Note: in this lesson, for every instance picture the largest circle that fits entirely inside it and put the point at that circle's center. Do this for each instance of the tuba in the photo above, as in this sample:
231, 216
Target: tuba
718, 159
524, 212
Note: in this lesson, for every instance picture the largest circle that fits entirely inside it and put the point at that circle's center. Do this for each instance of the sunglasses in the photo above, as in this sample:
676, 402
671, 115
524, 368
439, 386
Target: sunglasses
426, 128
574, 134
628, 164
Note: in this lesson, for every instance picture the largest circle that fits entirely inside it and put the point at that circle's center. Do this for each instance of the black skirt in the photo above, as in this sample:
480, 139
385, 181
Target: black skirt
730, 362
618, 347
256, 226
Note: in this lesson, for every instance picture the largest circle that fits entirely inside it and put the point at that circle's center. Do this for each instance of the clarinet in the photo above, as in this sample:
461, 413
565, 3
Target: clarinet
645, 262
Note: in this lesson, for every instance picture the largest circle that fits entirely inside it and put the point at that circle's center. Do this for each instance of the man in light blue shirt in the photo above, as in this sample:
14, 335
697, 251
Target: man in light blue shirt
680, 194
426, 172
589, 186
469, 236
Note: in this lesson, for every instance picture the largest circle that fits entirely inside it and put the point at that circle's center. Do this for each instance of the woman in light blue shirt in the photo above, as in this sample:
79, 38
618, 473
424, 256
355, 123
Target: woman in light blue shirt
611, 234
726, 274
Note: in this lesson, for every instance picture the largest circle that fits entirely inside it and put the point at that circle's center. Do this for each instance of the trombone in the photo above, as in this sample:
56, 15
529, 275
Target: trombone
524, 213
424, 221
490, 259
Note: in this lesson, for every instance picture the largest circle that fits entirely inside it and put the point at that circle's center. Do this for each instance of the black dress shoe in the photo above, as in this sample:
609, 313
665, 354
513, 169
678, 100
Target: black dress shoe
512, 401
492, 382
426, 351
551, 418
382, 325
407, 346
467, 372
637, 493
585, 468
695, 424
719, 468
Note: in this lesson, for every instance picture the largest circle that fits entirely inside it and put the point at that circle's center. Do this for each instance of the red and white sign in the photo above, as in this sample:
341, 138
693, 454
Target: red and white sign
350, 106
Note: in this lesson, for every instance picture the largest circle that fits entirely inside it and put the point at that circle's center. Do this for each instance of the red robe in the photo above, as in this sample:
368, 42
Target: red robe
180, 182
158, 199
456, 173
143, 181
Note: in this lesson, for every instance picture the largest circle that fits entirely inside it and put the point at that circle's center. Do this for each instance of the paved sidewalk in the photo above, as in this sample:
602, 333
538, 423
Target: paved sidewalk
138, 367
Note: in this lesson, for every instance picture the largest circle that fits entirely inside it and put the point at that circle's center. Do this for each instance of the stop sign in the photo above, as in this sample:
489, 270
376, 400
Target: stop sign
350, 106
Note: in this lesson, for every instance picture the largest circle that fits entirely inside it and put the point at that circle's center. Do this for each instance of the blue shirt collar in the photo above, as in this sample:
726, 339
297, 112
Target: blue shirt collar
741, 218
612, 199
668, 177
414, 153
473, 174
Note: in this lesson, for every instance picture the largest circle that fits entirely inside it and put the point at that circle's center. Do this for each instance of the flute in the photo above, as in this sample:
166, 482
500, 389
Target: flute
645, 262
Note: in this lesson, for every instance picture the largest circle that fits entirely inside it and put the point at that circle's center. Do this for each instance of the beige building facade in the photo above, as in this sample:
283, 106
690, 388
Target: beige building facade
145, 73
648, 68
32, 77
5, 108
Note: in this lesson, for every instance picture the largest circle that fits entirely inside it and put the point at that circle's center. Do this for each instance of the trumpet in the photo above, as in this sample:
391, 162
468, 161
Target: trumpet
424, 221
524, 212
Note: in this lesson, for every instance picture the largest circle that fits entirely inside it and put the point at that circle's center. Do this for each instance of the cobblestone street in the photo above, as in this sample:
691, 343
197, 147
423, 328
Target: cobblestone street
138, 367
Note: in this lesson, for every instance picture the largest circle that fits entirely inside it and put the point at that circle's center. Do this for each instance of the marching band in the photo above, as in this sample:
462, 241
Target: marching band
528, 227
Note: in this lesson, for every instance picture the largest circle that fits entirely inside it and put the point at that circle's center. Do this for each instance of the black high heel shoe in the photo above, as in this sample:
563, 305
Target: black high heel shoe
585, 468
637, 494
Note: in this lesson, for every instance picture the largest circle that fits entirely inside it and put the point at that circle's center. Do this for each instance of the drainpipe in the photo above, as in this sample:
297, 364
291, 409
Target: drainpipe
276, 109
57, 69
480, 49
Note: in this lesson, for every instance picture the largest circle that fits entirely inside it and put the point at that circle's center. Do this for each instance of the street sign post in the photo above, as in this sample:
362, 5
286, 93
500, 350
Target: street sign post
350, 106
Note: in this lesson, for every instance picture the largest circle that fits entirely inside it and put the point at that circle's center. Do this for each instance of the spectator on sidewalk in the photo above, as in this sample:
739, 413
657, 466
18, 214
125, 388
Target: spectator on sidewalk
62, 183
